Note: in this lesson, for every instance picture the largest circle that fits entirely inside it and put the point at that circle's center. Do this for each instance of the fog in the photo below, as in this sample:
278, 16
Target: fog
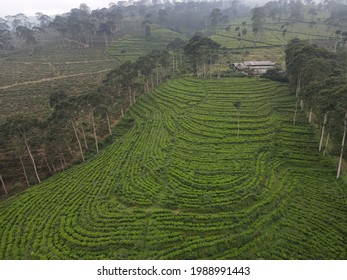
53, 7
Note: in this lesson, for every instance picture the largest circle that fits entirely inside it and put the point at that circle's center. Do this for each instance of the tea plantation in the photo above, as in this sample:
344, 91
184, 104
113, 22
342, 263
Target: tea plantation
199, 169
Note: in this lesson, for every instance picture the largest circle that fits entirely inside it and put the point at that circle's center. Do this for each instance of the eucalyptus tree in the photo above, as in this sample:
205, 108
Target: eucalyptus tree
296, 13
5, 40
116, 15
298, 53
4, 24
342, 145
84, 7
147, 27
176, 46
3, 185
26, 132
162, 18
44, 20
199, 51
27, 35
18, 20
330, 101
215, 17
105, 30
258, 19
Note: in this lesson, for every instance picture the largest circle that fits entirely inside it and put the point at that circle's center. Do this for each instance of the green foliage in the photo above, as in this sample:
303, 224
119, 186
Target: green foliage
57, 97
177, 183
318, 77
276, 75
200, 50
237, 105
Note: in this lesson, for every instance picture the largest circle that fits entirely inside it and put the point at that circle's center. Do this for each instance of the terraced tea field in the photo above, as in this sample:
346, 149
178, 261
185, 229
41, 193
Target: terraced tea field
131, 47
180, 183
27, 80
269, 43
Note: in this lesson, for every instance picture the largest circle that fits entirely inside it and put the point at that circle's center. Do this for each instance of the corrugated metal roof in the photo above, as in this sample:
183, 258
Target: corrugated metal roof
259, 63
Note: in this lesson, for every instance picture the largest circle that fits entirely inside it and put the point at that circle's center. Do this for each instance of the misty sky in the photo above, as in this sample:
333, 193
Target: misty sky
53, 7
49, 7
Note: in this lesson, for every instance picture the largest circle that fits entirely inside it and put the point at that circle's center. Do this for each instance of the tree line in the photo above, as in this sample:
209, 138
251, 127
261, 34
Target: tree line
33, 148
84, 26
318, 80
80, 125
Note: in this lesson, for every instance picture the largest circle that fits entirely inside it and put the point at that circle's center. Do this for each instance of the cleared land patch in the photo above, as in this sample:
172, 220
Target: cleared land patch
28, 80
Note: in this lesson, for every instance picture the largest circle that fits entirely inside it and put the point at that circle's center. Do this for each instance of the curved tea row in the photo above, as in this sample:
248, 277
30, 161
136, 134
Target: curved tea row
193, 177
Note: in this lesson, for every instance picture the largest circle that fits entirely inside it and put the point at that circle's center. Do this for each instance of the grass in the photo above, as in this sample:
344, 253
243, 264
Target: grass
179, 184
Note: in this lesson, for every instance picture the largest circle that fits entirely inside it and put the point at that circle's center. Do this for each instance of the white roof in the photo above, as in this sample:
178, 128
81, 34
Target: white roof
259, 63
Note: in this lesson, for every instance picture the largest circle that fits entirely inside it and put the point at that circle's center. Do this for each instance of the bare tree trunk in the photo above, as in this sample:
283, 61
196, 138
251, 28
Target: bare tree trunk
109, 125
295, 112
61, 157
31, 157
297, 91
335, 47
49, 168
3, 185
106, 40
24, 171
310, 117
322, 134
65, 163
84, 137
161, 76
342, 147
156, 67
54, 169
121, 111
326, 145
70, 150
130, 95
78, 140
96, 138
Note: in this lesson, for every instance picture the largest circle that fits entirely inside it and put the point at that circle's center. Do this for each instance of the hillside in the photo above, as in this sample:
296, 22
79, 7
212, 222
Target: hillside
30, 78
199, 169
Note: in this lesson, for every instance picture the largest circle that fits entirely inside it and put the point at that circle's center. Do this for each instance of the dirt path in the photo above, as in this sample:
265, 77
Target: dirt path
62, 63
52, 79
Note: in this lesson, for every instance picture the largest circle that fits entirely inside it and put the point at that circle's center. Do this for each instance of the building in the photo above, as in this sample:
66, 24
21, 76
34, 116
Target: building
254, 67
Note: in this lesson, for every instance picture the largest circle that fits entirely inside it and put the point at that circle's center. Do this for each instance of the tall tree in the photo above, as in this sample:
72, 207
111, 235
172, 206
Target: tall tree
200, 50
26, 34
3, 185
44, 20
5, 40
215, 17
147, 26
162, 18
342, 146
258, 19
